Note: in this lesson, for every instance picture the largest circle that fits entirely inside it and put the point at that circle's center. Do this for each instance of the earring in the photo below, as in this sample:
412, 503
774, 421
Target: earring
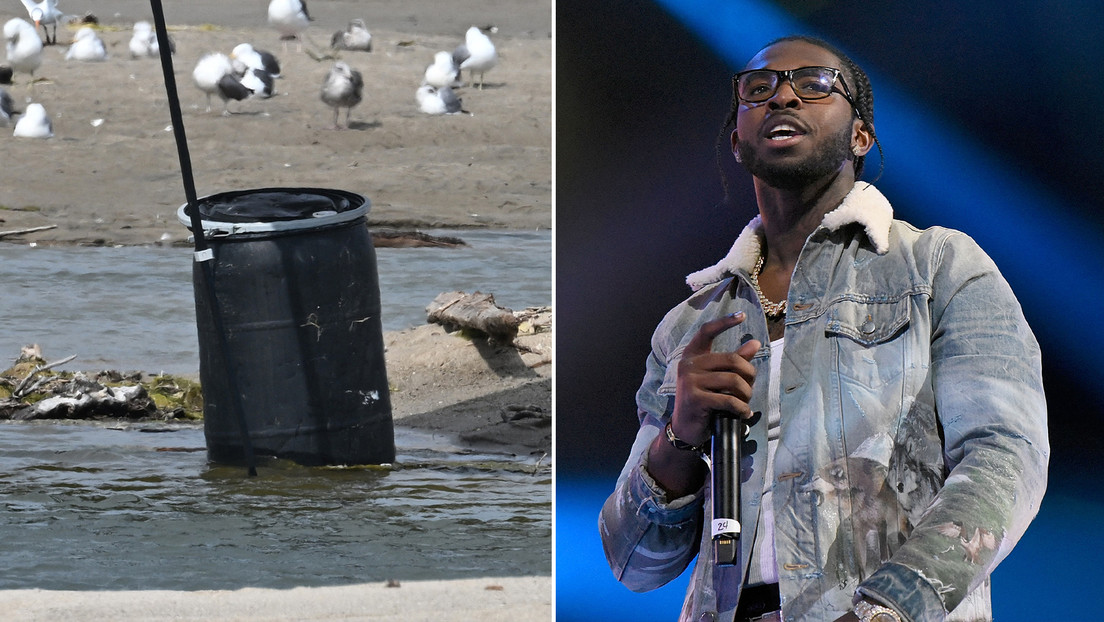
856, 149
737, 154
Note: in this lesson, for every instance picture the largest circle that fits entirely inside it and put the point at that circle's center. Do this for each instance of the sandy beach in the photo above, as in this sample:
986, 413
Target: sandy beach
111, 173
111, 176
525, 599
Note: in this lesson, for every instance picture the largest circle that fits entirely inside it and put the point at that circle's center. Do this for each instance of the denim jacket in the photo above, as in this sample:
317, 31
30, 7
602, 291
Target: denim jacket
913, 447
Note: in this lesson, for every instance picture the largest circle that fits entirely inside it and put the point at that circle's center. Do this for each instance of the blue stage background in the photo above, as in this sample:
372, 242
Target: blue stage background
990, 124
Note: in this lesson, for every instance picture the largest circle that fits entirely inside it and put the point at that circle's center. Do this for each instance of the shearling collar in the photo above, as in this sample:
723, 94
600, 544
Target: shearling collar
863, 205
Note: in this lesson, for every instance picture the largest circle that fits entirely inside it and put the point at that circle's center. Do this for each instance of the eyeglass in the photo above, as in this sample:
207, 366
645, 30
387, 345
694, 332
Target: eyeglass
756, 86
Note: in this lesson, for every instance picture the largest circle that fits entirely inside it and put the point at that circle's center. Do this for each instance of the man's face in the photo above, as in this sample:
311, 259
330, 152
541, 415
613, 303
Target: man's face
788, 142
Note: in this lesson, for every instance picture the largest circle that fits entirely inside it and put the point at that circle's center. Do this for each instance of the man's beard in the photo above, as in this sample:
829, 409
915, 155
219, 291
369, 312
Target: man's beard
793, 175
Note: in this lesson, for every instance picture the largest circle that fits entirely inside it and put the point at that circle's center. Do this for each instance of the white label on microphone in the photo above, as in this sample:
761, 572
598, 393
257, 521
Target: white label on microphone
726, 526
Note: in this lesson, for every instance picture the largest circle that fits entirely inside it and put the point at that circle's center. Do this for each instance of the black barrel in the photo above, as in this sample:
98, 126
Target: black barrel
295, 281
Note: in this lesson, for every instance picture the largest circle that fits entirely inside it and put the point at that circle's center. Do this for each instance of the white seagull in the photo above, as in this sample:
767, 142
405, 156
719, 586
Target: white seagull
34, 123
144, 41
42, 13
433, 100
86, 46
476, 53
442, 71
208, 71
354, 37
244, 56
342, 88
289, 18
23, 45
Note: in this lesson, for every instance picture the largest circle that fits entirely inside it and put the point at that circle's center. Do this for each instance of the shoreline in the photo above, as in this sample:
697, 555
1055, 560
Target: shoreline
482, 395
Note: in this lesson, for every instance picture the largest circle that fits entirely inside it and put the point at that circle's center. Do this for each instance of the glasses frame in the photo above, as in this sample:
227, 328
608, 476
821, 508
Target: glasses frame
787, 75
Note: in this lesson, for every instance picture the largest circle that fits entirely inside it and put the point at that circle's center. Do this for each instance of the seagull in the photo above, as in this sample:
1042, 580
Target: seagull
354, 37
144, 41
244, 56
208, 71
86, 46
24, 46
230, 87
342, 88
433, 100
476, 53
289, 18
442, 71
7, 107
259, 82
42, 13
34, 123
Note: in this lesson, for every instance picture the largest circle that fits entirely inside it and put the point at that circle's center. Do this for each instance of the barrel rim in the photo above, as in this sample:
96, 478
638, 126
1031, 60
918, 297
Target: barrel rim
215, 228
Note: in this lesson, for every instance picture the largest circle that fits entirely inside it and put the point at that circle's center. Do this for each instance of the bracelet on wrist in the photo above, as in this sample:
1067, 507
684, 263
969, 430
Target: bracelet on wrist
678, 443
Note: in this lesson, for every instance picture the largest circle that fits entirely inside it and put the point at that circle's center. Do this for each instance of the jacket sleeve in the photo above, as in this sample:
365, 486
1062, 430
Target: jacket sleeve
986, 376
648, 539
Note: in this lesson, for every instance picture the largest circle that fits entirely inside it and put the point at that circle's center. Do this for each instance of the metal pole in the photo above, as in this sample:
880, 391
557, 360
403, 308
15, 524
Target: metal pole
203, 254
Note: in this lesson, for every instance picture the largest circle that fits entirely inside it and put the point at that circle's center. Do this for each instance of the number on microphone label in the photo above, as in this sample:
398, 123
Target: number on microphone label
725, 526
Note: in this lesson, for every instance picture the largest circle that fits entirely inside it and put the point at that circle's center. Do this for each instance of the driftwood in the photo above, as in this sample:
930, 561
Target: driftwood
476, 311
394, 238
22, 389
4, 234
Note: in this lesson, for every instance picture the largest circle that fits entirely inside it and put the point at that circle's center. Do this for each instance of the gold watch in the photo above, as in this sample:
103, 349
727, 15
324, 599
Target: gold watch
869, 612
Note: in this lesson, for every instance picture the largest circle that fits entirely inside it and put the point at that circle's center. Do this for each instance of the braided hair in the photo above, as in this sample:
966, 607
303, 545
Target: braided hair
861, 92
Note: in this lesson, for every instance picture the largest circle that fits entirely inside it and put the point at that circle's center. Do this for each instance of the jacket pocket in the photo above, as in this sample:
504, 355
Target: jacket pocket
868, 323
870, 344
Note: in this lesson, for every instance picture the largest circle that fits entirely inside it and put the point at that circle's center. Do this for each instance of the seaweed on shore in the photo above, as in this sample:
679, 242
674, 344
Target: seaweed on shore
32, 389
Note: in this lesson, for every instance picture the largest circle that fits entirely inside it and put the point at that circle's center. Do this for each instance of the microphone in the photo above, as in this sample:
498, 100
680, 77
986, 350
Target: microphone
728, 434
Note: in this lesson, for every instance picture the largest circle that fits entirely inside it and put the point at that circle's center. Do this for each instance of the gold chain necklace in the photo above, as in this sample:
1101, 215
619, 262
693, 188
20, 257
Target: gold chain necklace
772, 309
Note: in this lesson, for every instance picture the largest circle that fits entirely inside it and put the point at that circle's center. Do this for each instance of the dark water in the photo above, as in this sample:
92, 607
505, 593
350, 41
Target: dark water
86, 506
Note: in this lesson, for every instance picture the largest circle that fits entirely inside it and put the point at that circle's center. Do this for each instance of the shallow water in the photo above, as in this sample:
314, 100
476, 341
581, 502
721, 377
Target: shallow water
132, 308
86, 506
137, 506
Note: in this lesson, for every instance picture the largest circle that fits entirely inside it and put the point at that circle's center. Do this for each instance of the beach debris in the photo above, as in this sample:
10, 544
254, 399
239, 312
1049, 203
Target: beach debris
4, 234
31, 389
477, 312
